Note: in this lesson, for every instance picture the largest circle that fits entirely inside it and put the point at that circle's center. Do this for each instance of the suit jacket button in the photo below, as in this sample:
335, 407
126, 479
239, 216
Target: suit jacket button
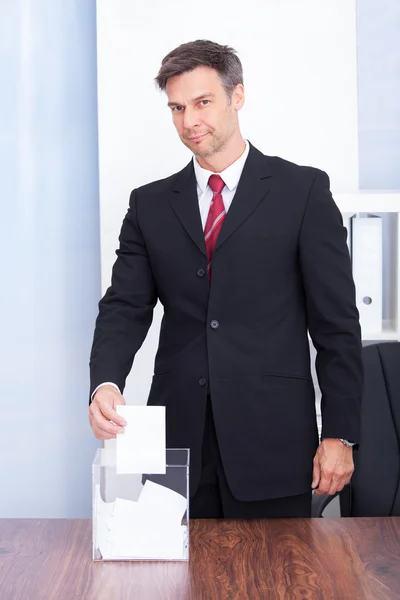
202, 381
214, 324
201, 272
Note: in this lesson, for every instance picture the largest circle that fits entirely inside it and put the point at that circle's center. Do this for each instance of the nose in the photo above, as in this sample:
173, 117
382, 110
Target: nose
190, 118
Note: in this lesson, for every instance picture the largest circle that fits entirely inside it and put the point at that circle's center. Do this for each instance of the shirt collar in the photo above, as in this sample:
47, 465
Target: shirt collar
230, 175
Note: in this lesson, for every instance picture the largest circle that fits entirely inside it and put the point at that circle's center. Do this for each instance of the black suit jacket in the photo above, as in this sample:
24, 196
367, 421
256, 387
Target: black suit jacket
281, 267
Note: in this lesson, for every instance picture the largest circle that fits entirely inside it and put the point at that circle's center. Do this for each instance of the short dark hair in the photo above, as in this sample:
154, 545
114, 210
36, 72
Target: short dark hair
202, 53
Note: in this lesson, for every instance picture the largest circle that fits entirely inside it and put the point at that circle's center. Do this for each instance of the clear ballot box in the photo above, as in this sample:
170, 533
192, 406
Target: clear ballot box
141, 516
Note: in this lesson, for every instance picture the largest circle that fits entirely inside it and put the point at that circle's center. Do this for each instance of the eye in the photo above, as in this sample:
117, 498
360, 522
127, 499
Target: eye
177, 108
202, 102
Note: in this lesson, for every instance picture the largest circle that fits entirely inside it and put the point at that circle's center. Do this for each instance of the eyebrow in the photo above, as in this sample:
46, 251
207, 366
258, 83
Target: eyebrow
197, 99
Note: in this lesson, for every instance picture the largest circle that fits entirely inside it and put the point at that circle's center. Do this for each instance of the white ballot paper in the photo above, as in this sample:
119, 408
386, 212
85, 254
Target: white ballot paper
149, 528
142, 448
165, 503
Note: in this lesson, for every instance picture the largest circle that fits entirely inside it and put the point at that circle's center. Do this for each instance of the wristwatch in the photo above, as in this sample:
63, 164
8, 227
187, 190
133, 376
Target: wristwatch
347, 443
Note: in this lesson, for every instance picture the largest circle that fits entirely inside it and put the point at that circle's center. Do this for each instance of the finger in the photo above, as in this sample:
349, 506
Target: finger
333, 488
324, 484
103, 408
344, 481
101, 434
111, 414
104, 434
316, 474
340, 486
99, 422
337, 481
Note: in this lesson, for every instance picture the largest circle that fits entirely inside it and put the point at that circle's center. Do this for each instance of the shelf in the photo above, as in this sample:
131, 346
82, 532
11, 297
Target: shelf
388, 336
389, 333
366, 201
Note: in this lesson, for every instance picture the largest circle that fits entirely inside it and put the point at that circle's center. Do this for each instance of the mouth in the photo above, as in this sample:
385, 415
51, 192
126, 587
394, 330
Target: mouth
197, 138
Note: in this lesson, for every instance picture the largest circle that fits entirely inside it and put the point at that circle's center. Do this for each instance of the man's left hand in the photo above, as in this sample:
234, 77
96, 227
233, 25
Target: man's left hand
333, 467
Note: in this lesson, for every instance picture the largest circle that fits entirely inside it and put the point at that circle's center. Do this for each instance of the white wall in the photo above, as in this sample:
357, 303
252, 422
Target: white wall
299, 61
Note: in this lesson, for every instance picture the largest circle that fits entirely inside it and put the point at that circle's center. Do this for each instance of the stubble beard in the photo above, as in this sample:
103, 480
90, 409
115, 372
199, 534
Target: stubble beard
215, 143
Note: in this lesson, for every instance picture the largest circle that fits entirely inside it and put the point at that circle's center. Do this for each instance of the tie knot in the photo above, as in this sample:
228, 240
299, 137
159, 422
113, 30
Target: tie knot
216, 183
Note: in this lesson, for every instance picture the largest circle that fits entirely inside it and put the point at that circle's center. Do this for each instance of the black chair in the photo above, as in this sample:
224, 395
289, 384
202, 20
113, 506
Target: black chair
374, 490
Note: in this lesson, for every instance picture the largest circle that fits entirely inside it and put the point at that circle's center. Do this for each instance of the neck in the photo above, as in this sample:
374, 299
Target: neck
220, 161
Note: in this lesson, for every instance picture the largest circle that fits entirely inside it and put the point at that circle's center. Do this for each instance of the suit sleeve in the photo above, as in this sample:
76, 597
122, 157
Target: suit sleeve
126, 310
333, 319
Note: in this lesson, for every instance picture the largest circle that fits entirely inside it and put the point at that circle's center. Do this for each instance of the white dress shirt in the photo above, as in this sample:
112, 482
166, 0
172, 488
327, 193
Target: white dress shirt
231, 176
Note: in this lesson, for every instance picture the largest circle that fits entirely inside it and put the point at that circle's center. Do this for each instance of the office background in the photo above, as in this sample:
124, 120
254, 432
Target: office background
50, 194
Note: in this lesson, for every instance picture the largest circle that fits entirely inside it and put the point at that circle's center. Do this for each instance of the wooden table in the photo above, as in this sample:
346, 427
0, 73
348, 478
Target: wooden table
298, 559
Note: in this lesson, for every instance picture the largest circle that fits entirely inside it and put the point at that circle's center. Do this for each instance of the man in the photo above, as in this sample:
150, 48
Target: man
247, 253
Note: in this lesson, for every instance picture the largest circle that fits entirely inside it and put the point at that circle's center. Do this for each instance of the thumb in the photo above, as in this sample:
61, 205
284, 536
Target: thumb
316, 474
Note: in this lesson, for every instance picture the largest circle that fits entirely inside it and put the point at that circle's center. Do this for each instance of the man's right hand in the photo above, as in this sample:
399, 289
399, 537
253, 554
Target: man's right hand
103, 417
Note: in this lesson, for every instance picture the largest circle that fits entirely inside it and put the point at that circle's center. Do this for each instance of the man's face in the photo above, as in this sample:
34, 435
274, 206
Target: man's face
203, 116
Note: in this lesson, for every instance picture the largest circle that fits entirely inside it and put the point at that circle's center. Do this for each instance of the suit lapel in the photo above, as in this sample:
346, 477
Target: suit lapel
184, 201
254, 185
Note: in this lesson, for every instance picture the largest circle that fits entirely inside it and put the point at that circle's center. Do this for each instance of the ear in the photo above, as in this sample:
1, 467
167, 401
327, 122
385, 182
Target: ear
238, 97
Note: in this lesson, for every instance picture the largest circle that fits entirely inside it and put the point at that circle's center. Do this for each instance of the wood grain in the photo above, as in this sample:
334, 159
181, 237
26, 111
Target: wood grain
282, 559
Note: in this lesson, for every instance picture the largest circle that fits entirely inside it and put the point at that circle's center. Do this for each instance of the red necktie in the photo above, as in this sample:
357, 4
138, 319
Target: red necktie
215, 219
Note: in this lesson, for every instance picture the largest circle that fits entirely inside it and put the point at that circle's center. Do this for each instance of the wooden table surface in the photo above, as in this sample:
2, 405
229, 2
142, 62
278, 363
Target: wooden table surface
297, 559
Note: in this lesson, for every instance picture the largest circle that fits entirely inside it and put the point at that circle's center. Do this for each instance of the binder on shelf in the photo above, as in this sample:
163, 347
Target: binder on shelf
367, 271
347, 220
